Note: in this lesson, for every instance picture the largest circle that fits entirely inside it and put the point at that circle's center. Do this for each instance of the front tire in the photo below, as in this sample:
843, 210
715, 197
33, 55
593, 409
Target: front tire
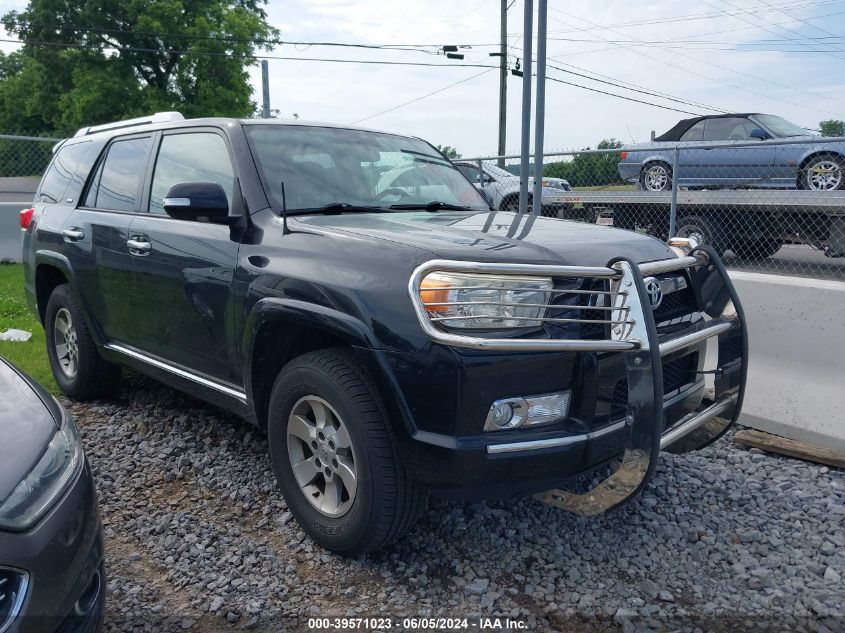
700, 229
823, 173
75, 362
334, 455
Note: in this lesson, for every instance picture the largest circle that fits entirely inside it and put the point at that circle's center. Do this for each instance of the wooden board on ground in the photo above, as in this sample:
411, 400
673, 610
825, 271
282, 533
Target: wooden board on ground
791, 448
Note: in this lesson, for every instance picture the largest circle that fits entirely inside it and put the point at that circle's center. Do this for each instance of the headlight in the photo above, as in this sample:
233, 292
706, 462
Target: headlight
45, 482
461, 300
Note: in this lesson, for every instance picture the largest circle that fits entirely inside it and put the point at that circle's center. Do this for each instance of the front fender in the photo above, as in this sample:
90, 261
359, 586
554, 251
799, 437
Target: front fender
334, 323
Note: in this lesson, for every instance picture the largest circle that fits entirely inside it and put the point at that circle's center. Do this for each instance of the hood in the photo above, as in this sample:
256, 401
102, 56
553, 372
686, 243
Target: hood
498, 236
27, 423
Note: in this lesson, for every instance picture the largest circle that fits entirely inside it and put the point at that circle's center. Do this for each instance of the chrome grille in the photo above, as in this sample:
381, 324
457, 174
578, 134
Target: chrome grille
587, 308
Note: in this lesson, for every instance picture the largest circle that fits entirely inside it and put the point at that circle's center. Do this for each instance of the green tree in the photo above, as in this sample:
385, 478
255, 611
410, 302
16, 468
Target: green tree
589, 169
88, 62
448, 151
833, 127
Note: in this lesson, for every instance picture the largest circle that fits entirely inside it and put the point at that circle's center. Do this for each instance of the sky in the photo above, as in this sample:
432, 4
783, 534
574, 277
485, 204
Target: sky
776, 56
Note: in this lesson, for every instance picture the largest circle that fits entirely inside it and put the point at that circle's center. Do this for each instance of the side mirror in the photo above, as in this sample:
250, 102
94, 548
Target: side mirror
759, 133
197, 202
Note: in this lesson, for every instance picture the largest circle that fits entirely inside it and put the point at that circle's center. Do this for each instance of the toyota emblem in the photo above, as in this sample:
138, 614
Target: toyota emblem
654, 291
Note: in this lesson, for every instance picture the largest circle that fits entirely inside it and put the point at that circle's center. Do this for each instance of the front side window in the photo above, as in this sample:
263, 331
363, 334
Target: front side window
695, 133
118, 187
192, 157
321, 166
61, 171
727, 129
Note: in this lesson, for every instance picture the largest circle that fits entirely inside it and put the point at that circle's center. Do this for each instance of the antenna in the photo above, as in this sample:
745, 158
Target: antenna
285, 229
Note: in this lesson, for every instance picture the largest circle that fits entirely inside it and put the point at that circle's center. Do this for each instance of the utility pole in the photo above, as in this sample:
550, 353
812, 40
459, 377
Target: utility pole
265, 90
525, 145
540, 113
503, 83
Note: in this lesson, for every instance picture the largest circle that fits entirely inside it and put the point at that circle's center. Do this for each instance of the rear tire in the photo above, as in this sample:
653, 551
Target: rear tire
752, 250
383, 503
77, 366
656, 176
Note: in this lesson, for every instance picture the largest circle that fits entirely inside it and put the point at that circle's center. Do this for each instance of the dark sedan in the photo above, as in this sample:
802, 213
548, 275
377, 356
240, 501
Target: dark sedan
721, 151
51, 546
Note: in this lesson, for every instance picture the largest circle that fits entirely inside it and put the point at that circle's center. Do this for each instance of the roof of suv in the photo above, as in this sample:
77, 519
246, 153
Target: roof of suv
166, 120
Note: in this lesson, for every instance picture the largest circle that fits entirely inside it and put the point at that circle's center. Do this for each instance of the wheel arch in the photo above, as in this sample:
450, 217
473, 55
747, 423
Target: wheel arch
815, 152
51, 270
279, 330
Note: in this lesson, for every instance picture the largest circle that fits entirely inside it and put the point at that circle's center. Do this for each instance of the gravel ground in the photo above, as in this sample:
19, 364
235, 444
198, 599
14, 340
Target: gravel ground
198, 538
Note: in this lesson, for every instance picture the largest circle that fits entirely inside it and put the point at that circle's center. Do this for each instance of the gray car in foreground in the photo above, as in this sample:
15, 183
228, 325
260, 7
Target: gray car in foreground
51, 546
721, 151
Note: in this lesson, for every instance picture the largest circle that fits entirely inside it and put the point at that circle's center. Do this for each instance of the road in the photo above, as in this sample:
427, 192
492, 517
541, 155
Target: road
10, 231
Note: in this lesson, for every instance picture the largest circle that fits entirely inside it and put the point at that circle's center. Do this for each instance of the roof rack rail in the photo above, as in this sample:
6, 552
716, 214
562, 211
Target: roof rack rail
158, 117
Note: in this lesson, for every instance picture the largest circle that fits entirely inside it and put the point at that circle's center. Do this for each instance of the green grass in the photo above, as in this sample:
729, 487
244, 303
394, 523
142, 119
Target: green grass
30, 356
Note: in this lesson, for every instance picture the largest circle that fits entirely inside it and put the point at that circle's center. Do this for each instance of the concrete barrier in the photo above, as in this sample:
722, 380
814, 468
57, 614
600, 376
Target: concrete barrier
796, 372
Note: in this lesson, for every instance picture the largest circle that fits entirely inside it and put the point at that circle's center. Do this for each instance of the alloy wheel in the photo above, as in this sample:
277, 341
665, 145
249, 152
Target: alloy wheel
825, 175
66, 343
321, 456
656, 178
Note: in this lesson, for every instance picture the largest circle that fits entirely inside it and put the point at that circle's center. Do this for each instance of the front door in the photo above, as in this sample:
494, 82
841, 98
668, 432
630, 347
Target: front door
738, 162
183, 269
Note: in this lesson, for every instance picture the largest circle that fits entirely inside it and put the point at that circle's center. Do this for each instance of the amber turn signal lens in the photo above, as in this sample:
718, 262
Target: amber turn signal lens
434, 289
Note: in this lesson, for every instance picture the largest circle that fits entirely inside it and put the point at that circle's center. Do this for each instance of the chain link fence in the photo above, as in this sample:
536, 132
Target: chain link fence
22, 161
768, 206
773, 206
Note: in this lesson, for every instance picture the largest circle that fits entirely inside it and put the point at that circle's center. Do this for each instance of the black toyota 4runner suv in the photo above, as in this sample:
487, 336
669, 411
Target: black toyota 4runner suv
352, 294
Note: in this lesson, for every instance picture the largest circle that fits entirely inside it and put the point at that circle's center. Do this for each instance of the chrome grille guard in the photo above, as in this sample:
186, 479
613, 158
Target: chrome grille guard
632, 331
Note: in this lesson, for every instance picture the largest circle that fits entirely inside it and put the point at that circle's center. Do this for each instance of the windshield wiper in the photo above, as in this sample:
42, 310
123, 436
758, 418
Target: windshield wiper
339, 207
434, 205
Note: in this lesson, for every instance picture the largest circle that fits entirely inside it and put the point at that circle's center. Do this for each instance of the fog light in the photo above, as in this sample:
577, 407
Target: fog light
502, 413
512, 413
547, 409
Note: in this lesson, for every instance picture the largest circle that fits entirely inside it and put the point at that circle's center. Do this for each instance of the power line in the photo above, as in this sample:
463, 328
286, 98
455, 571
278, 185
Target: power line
766, 28
425, 96
98, 47
611, 94
710, 78
698, 16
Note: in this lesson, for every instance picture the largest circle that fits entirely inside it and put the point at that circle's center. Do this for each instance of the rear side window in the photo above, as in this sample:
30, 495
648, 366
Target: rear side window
118, 185
729, 129
695, 133
61, 171
192, 157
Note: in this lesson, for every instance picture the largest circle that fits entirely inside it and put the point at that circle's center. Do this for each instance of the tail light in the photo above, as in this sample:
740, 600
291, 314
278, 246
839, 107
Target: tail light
624, 155
26, 218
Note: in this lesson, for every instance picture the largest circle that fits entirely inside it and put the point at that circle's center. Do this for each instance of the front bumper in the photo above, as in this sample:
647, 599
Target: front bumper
502, 462
62, 560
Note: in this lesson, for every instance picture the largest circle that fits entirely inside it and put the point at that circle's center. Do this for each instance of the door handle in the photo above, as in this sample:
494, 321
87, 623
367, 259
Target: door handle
138, 247
73, 234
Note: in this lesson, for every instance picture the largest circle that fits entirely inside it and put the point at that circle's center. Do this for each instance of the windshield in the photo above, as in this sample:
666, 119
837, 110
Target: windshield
323, 166
780, 127
498, 172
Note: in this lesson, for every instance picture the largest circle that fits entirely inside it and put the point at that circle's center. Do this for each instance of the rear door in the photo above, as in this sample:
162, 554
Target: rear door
96, 232
184, 269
